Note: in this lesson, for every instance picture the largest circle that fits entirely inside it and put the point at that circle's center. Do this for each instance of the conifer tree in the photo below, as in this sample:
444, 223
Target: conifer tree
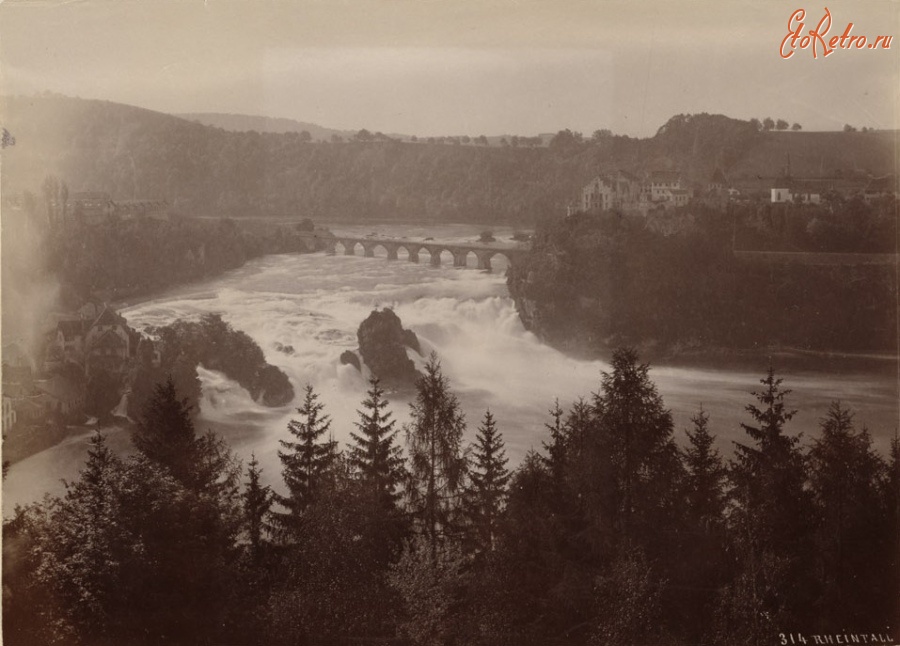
84, 551
166, 433
257, 504
770, 521
437, 467
488, 479
633, 455
307, 462
374, 456
556, 447
846, 476
705, 480
892, 511
773, 508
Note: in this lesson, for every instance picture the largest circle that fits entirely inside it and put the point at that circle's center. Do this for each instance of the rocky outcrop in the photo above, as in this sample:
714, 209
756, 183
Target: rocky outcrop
382, 346
349, 358
270, 387
215, 345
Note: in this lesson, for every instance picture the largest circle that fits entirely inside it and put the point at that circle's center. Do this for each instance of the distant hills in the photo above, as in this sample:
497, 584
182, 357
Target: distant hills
232, 165
246, 123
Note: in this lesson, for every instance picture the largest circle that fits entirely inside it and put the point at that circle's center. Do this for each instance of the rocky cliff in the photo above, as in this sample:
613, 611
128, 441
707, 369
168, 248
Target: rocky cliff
382, 346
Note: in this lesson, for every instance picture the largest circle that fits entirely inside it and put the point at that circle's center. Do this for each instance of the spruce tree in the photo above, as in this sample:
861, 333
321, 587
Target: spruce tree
705, 479
374, 457
437, 467
84, 551
257, 504
308, 462
770, 521
488, 479
703, 564
633, 456
165, 433
769, 476
846, 476
557, 446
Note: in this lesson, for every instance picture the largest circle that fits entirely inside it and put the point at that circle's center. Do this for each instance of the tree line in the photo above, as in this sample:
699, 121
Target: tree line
202, 170
615, 532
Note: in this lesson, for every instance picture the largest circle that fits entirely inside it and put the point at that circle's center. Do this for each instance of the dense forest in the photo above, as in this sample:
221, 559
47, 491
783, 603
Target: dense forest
116, 258
594, 281
621, 530
132, 153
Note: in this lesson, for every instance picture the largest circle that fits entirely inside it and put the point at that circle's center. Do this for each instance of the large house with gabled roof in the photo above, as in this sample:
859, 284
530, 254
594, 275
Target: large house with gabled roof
623, 191
95, 340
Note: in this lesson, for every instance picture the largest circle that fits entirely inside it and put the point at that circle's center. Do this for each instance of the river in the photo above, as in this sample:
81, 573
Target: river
314, 303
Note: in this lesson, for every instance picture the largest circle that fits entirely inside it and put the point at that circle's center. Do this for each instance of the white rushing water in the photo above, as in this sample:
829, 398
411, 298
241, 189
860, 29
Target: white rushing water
315, 303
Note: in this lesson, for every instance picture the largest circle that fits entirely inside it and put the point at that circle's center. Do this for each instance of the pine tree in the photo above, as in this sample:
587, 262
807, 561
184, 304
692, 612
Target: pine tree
703, 564
166, 433
846, 476
769, 476
556, 448
770, 520
85, 551
374, 456
488, 479
635, 455
308, 462
257, 503
437, 467
705, 480
892, 512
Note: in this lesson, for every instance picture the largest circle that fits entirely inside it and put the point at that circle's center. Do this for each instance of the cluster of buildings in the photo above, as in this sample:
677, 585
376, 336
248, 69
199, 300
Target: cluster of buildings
811, 191
92, 339
624, 191
91, 208
94, 206
664, 190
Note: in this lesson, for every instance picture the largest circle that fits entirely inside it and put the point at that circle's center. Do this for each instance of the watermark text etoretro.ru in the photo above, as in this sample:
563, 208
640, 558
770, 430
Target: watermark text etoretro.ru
819, 42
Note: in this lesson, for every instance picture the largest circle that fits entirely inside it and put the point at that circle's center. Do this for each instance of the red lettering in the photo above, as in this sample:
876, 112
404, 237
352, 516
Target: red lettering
846, 35
793, 33
818, 34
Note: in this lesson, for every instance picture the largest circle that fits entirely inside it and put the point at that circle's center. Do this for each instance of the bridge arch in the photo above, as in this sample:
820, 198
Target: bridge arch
441, 255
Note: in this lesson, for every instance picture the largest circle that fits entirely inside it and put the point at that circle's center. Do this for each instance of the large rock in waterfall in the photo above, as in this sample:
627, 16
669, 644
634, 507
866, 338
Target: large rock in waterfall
382, 346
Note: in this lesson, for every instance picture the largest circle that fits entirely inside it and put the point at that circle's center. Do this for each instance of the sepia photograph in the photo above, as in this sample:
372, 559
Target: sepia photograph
450, 322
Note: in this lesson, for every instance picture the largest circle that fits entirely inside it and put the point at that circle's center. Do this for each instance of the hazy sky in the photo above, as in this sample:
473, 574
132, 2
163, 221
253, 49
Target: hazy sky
432, 67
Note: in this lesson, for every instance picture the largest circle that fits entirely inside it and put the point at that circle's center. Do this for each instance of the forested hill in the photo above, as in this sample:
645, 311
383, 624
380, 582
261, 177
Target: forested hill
244, 122
133, 153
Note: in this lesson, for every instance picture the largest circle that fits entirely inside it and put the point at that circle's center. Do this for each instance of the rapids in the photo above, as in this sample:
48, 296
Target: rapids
314, 303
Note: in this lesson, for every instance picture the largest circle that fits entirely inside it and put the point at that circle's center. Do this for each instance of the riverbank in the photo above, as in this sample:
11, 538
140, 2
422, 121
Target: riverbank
743, 359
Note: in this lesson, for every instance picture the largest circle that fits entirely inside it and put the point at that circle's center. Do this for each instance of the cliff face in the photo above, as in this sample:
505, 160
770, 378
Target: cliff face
382, 346
592, 283
549, 305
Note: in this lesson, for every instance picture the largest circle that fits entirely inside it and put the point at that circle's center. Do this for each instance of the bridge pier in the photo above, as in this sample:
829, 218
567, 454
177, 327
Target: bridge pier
414, 256
484, 262
392, 252
348, 248
369, 251
459, 258
435, 258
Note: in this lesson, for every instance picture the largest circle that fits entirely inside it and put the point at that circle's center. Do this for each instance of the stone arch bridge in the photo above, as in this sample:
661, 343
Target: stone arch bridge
483, 252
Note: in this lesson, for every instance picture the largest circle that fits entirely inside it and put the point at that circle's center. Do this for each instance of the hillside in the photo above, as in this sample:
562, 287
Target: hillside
133, 153
246, 123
